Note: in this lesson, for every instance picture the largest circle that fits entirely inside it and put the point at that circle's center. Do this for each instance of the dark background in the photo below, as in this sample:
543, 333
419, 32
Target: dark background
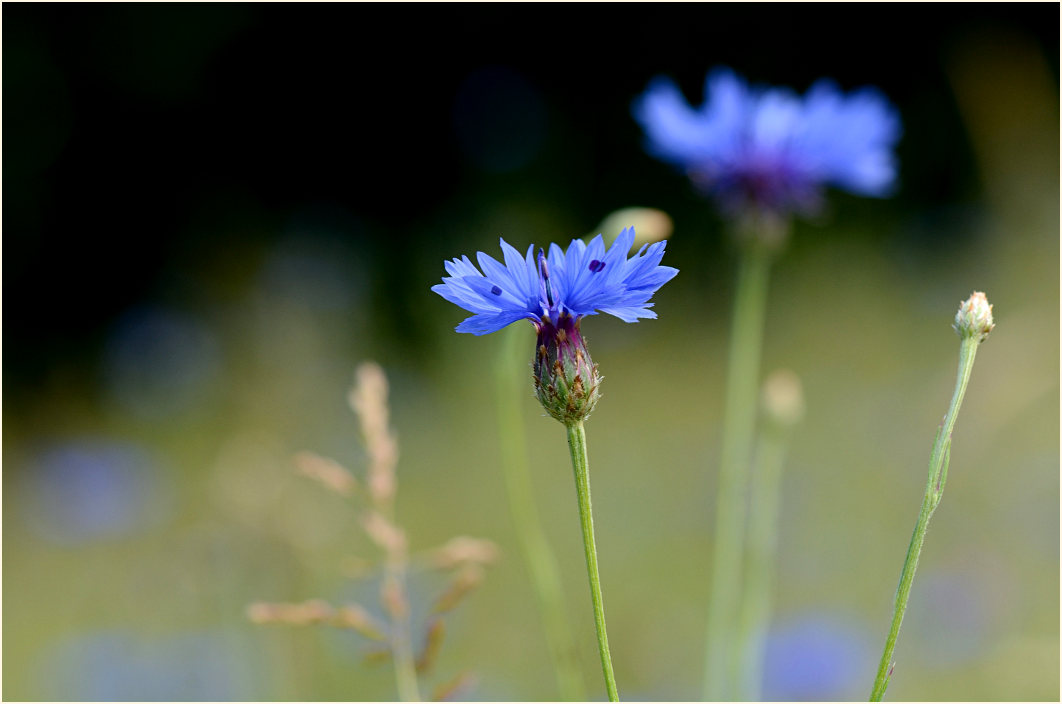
143, 139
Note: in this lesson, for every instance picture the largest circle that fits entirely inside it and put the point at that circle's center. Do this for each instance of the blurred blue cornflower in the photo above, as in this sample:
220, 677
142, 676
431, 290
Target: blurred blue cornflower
555, 293
124, 665
768, 148
94, 488
816, 657
585, 280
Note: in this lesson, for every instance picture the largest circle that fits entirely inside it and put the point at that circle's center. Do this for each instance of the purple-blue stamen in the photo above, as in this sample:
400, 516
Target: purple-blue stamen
496, 290
597, 265
543, 270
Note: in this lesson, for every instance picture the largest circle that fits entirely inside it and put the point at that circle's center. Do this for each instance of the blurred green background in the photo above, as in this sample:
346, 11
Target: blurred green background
212, 213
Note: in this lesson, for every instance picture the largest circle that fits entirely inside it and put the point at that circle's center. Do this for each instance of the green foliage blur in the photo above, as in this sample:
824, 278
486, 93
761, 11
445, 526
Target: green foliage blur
214, 212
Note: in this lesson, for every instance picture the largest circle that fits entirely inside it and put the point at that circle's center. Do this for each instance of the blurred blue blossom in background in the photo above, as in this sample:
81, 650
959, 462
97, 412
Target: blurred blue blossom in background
768, 148
817, 657
81, 491
118, 665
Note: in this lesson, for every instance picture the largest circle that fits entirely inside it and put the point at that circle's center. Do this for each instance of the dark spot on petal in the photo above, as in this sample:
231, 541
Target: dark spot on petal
597, 265
495, 290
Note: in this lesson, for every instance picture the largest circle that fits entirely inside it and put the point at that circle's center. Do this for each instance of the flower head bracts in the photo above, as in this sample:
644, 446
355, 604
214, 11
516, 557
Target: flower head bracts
585, 280
770, 148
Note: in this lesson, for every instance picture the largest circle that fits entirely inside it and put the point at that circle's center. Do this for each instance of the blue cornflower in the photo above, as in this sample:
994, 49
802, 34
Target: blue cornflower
769, 148
555, 292
585, 280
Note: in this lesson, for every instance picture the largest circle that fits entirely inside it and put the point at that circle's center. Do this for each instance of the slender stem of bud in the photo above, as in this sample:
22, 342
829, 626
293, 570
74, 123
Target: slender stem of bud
755, 615
541, 563
722, 666
577, 447
938, 469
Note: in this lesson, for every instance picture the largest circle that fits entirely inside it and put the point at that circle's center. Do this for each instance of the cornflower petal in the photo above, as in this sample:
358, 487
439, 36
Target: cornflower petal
520, 270
497, 274
584, 275
457, 294
484, 324
732, 103
492, 295
631, 314
675, 130
461, 267
616, 258
558, 271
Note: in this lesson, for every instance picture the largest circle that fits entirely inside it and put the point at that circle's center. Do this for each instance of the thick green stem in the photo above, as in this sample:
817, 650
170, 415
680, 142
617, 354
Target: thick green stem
938, 473
755, 617
577, 447
721, 667
541, 563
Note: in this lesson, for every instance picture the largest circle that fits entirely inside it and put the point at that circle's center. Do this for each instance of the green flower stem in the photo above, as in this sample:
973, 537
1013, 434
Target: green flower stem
755, 616
577, 447
541, 563
938, 474
739, 421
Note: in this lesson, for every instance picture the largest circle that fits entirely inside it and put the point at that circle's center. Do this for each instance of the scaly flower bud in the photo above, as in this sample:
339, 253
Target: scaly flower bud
566, 379
974, 318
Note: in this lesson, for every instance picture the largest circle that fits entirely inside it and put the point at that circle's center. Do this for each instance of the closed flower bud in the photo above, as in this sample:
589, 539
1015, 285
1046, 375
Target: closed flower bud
565, 377
650, 225
974, 318
783, 398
